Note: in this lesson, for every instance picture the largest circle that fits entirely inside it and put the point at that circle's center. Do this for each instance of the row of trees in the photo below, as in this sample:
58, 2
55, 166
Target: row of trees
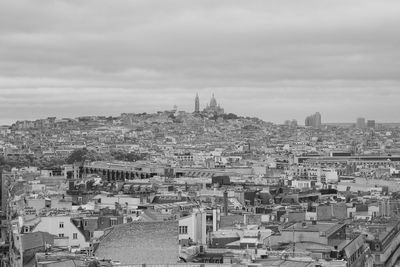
78, 155
81, 155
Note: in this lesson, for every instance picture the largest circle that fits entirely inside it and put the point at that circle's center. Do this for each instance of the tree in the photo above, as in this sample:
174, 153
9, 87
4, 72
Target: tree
83, 154
78, 155
131, 156
230, 116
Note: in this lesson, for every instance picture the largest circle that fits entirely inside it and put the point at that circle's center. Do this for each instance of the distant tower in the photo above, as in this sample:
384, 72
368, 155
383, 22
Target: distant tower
317, 121
360, 123
371, 123
226, 203
213, 102
197, 104
314, 120
213, 107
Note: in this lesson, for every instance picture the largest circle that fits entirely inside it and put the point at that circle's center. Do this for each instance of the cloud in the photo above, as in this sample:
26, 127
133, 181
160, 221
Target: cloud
295, 53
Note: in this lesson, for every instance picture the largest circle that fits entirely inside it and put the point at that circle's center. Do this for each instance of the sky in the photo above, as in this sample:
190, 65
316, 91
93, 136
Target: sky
275, 60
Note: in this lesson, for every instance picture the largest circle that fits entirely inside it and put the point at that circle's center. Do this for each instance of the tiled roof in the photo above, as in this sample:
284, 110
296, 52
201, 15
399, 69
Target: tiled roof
141, 242
36, 240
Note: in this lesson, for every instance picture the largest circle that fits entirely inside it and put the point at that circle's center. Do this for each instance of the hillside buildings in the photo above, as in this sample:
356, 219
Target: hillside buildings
199, 188
212, 108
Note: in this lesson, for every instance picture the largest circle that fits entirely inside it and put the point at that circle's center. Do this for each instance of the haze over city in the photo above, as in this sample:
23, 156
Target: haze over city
275, 60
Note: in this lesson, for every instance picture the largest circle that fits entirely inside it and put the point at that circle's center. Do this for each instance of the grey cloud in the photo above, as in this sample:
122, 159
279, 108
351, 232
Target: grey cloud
289, 54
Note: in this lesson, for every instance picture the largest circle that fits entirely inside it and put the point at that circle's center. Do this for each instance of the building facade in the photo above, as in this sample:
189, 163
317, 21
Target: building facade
214, 107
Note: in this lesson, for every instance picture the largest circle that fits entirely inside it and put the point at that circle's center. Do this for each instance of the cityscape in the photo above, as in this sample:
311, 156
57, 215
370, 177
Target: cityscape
199, 133
199, 188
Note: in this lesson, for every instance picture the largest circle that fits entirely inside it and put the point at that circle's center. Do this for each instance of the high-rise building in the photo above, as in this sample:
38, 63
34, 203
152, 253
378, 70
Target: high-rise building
308, 121
317, 120
314, 120
360, 123
197, 104
371, 123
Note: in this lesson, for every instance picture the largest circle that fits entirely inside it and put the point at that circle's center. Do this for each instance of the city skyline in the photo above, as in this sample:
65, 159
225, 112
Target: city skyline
275, 60
199, 133
234, 102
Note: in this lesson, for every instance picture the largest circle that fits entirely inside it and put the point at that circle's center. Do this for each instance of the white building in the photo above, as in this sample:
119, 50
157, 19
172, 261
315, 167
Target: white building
323, 175
193, 227
62, 226
301, 184
331, 176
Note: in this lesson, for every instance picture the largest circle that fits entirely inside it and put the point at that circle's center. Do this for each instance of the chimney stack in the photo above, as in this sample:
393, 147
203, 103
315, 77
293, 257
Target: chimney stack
226, 202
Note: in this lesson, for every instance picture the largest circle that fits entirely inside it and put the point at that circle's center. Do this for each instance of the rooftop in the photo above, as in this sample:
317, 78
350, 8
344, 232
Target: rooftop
326, 227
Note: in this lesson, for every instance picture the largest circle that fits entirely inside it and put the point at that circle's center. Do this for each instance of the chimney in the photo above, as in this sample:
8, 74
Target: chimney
226, 202
75, 170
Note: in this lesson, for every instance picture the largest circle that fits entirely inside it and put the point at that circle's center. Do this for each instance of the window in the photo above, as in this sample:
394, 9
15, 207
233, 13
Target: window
113, 221
86, 223
74, 236
183, 230
61, 225
60, 235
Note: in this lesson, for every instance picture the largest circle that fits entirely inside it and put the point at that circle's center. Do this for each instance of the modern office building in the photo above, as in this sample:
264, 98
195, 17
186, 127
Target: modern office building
314, 120
371, 123
360, 123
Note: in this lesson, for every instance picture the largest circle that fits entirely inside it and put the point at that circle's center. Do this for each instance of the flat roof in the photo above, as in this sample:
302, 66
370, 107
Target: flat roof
327, 227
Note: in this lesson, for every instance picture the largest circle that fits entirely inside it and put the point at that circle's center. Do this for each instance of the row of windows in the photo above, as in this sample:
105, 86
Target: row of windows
183, 230
74, 235
356, 255
113, 222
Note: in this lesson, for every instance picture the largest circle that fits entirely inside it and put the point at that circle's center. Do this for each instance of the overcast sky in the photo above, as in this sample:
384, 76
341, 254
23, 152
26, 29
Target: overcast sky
273, 59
